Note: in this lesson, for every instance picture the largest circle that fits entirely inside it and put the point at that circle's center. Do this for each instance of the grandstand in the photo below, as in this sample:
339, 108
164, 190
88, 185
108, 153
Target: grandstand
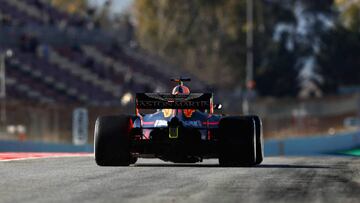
68, 58
61, 61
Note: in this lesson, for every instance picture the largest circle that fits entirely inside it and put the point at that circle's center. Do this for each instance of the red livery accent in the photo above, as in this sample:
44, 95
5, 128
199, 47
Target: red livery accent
148, 123
7, 156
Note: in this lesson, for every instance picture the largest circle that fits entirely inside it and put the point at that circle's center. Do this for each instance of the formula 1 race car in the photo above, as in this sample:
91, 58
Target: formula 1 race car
183, 129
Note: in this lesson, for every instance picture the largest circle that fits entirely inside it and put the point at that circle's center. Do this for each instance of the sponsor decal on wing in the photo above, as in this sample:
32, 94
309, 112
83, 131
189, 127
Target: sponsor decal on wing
167, 112
188, 112
155, 96
194, 96
192, 123
160, 123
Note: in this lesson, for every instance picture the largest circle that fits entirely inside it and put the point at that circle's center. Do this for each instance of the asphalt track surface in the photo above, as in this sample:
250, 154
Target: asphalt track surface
278, 179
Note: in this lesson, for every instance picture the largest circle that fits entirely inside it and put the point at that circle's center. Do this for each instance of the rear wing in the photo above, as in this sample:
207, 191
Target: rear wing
200, 101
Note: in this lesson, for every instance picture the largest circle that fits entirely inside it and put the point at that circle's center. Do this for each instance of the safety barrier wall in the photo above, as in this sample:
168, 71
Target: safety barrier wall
316, 145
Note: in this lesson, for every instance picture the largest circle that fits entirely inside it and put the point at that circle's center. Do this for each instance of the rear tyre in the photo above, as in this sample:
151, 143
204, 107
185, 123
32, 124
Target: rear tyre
112, 141
133, 160
237, 142
259, 138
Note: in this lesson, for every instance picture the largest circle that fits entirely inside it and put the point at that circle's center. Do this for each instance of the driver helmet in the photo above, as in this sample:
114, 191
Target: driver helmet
181, 89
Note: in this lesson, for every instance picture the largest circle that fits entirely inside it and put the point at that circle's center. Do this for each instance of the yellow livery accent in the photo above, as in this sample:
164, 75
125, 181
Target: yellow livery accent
167, 112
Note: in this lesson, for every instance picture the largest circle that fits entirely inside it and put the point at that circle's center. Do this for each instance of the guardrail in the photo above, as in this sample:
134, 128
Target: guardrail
315, 145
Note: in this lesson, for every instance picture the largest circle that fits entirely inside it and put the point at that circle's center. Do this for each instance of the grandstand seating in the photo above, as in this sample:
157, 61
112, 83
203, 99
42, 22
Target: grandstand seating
16, 16
94, 74
145, 77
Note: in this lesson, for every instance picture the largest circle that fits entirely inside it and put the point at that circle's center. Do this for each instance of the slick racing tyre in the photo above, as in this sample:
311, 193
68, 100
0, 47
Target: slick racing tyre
237, 142
112, 141
259, 138
133, 160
